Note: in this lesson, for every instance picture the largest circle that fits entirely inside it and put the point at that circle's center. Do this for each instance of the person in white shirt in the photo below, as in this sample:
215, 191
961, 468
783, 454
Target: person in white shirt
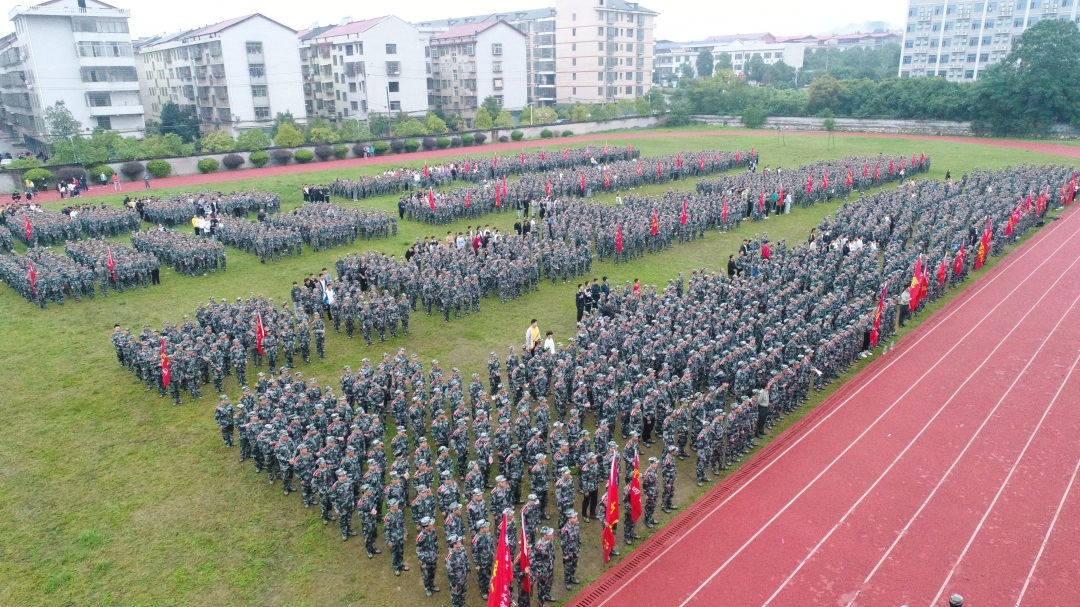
549, 342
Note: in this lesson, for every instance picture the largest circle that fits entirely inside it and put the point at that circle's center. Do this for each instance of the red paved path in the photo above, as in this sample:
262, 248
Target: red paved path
938, 469
492, 148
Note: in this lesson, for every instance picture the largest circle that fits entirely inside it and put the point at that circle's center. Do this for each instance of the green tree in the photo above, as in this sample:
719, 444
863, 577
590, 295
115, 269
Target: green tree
280, 119
544, 115
705, 63
60, 123
435, 125
686, 72
624, 107
642, 107
876, 63
723, 61
410, 128
1035, 86
504, 120
779, 75
657, 101
252, 140
353, 130
491, 105
379, 125
829, 93
217, 141
181, 121
579, 112
288, 136
755, 68
322, 134
483, 120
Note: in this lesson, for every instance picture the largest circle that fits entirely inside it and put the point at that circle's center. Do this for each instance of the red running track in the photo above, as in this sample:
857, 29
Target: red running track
947, 466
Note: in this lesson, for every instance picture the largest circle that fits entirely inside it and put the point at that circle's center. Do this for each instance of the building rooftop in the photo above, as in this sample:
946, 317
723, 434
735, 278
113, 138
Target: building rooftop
353, 27
470, 30
526, 15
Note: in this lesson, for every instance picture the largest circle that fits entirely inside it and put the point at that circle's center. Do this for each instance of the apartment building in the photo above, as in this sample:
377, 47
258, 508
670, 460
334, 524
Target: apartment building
75, 51
671, 56
604, 50
357, 68
237, 74
470, 62
958, 40
538, 25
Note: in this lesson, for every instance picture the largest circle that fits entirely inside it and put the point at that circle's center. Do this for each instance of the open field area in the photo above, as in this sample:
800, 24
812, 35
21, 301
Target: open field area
110, 496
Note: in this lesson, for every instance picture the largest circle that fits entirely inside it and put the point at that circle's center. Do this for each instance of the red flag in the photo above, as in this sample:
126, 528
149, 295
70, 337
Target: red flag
466, 165
498, 198
761, 203
723, 216
654, 227
825, 180
678, 161
618, 239
522, 157
916, 286
701, 163
1009, 226
877, 172
875, 333
922, 159
425, 170
902, 161
582, 184
849, 177
1027, 203
566, 154
659, 166
494, 159
682, 218
984, 245
924, 282
639, 168
523, 564
547, 188
809, 183
912, 160
502, 572
941, 271
431, 198
110, 263
753, 154
738, 157
892, 167
166, 371
468, 198
260, 333
543, 156
635, 492
629, 149
866, 170
611, 512
607, 180
958, 265
506, 190
28, 228
605, 148
32, 275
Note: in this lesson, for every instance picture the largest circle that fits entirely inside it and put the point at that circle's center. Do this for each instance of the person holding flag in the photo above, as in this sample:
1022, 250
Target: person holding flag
260, 335
29, 229
611, 512
875, 333
632, 496
570, 539
110, 263
942, 272
984, 245
31, 275
618, 242
916, 287
958, 264
502, 572
654, 225
431, 198
682, 216
524, 569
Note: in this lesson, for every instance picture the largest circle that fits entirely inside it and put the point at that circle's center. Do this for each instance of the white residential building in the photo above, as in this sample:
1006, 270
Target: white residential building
75, 51
604, 50
671, 56
238, 74
470, 62
361, 67
958, 40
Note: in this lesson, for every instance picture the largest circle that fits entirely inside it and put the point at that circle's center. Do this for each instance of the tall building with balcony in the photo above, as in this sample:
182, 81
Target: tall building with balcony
75, 51
959, 40
538, 25
604, 50
237, 74
471, 62
357, 68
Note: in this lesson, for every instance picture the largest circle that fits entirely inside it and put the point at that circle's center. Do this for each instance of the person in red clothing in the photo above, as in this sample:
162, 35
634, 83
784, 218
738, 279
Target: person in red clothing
766, 253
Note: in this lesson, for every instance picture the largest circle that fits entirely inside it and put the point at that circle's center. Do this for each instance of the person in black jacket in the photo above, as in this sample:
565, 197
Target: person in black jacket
581, 300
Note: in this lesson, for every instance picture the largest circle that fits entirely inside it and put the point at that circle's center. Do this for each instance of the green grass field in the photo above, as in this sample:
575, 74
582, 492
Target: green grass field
110, 496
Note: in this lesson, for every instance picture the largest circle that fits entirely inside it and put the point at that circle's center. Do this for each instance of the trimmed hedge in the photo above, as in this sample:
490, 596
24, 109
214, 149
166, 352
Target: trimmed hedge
158, 168
429, 143
232, 161
411, 145
397, 145
479, 138
517, 135
341, 151
455, 142
304, 156
546, 134
381, 147
133, 168
323, 152
282, 156
467, 139
208, 165
40, 177
102, 168
503, 139
568, 133
259, 159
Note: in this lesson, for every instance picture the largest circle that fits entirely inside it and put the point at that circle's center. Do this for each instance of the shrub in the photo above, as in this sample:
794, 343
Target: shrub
304, 156
546, 134
429, 143
341, 151
232, 161
29, 162
324, 152
359, 149
479, 138
208, 165
753, 117
411, 145
455, 142
381, 147
503, 139
259, 158
568, 133
517, 135
157, 168
397, 145
442, 143
66, 174
39, 176
467, 139
252, 139
282, 156
102, 168
132, 169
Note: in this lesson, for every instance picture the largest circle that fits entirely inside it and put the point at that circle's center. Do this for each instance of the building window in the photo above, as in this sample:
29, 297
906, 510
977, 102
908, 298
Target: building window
254, 48
98, 100
393, 86
104, 123
109, 74
263, 112
393, 68
496, 48
629, 90
573, 61
470, 49
352, 87
256, 70
391, 49
574, 76
496, 66
499, 100
497, 84
573, 90
259, 90
395, 106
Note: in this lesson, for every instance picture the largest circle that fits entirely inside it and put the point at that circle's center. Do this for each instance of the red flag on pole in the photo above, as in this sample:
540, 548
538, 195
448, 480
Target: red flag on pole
984, 245
924, 282
892, 167
425, 170
701, 163
809, 183
738, 157
260, 333
635, 492
941, 272
605, 148
468, 198
875, 333
494, 159
466, 165
682, 218
582, 184
543, 156
29, 229
877, 172
753, 155
723, 215
523, 564
678, 161
639, 168
654, 227
958, 265
659, 167
825, 180
849, 178
618, 239
547, 188
166, 371
502, 572
110, 263
916, 286
522, 157
498, 198
611, 512
32, 275
566, 154
761, 203
866, 170
431, 198
506, 189
607, 180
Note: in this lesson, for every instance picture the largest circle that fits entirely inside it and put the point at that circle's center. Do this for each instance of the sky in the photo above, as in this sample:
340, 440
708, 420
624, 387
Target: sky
680, 20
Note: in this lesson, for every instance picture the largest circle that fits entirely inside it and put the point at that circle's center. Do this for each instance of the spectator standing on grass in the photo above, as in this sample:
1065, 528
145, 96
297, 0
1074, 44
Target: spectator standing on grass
532, 335
146, 180
549, 342
104, 179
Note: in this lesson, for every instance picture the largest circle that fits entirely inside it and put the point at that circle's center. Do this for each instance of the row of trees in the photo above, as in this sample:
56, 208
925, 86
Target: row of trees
1029, 91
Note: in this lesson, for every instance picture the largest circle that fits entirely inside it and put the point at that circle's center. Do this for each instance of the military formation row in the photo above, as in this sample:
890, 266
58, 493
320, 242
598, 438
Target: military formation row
188, 255
178, 209
591, 178
474, 169
114, 265
323, 225
41, 276
35, 226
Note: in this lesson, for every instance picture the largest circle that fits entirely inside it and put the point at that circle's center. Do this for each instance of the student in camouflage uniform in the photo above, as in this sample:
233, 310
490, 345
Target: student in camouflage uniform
427, 553
223, 416
342, 497
394, 533
483, 553
542, 563
570, 539
457, 570
368, 509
